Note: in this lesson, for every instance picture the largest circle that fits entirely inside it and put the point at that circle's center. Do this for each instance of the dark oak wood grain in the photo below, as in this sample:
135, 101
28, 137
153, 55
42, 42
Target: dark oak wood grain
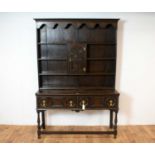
77, 67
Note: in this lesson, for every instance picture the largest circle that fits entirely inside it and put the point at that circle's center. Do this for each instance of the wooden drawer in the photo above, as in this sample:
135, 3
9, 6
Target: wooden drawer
98, 102
47, 102
78, 102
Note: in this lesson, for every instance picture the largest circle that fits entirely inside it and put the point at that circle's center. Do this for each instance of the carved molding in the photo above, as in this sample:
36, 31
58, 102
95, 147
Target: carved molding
67, 25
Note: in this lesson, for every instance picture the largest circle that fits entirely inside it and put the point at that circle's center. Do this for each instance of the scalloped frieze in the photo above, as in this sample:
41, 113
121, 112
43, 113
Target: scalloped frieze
67, 25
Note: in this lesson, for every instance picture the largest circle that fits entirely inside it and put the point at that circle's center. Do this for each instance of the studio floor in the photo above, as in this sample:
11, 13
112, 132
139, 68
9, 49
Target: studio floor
28, 134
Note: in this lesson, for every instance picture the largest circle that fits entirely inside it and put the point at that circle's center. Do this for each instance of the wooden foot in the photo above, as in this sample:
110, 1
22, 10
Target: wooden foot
39, 135
115, 135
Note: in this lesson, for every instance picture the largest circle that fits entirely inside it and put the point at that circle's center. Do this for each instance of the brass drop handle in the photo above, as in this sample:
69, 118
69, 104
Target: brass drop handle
83, 104
71, 103
84, 48
84, 69
44, 103
111, 103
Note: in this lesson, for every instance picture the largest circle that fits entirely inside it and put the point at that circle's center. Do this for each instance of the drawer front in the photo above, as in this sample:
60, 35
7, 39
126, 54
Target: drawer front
50, 102
78, 102
57, 102
98, 102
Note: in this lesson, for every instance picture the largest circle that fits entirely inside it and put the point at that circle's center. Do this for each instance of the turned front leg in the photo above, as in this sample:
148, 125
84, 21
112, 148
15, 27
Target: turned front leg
115, 125
43, 119
38, 121
111, 119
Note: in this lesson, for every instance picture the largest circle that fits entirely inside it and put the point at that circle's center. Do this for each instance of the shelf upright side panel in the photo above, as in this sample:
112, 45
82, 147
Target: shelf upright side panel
38, 53
40, 35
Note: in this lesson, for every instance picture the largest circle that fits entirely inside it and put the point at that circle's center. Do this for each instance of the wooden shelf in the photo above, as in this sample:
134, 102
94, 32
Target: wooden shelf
54, 43
67, 74
73, 88
88, 43
51, 59
101, 59
89, 59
